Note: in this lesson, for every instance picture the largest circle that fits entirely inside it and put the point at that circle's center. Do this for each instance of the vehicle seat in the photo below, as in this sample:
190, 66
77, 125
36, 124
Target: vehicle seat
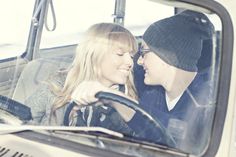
35, 72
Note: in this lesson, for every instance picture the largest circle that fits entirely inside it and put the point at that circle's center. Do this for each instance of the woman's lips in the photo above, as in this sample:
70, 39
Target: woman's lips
125, 71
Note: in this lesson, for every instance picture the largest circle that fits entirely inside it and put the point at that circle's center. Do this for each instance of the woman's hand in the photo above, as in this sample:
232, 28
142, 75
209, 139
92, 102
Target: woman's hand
84, 94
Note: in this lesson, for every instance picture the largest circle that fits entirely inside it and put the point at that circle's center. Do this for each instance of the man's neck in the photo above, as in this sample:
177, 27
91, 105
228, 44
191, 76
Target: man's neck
179, 83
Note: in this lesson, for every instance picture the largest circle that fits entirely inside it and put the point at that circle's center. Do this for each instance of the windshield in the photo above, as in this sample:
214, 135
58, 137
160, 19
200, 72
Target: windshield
151, 78
14, 27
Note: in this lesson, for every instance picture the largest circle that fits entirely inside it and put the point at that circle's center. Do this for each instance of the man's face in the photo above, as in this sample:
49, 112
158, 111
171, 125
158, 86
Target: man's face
156, 70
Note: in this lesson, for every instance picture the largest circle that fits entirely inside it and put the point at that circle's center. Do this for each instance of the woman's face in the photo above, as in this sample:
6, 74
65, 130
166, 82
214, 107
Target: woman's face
116, 67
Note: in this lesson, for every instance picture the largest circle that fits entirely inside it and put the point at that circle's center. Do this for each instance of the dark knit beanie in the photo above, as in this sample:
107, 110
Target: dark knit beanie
178, 39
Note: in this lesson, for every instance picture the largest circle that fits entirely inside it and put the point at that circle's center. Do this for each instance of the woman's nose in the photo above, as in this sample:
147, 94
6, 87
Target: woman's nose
129, 60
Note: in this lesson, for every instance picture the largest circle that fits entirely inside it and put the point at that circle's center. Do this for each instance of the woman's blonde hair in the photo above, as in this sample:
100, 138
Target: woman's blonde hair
98, 41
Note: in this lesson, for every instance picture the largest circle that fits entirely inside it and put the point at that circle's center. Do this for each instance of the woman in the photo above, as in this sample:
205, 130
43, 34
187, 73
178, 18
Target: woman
104, 55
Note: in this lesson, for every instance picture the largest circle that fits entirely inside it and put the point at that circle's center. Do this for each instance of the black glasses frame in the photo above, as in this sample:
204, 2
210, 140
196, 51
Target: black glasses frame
142, 51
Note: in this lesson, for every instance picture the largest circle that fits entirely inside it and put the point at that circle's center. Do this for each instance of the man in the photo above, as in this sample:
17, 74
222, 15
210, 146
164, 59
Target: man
176, 90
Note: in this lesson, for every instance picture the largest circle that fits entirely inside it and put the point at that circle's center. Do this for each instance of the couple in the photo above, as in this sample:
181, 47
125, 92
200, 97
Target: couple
106, 61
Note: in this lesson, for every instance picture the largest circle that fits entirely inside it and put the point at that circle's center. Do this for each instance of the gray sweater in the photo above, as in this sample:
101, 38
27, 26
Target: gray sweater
41, 102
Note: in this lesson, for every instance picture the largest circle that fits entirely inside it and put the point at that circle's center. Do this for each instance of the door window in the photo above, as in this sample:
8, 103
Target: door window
15, 19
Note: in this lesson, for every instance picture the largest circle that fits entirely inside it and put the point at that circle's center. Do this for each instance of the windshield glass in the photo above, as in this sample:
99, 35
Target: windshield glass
153, 80
15, 24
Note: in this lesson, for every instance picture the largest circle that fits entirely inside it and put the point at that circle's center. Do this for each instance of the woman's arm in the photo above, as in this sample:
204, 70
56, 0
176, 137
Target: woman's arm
85, 94
125, 112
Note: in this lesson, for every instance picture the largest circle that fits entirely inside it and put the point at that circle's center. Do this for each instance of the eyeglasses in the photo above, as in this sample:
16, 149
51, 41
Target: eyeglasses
143, 51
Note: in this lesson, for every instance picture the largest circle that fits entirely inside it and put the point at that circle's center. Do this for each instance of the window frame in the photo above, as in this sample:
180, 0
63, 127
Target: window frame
224, 73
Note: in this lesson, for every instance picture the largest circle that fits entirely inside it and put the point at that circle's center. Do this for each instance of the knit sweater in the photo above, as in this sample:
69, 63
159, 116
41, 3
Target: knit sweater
41, 102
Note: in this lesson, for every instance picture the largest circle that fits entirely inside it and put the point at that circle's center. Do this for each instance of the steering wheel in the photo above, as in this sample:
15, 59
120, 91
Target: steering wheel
13, 112
168, 139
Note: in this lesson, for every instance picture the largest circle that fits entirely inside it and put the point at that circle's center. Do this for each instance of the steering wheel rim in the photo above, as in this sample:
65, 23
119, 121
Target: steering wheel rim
14, 110
131, 104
